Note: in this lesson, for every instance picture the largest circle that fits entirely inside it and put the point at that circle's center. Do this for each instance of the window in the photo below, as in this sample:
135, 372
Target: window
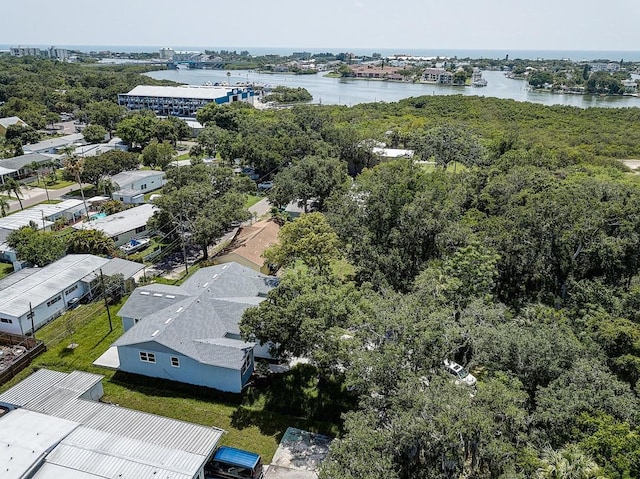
6, 320
175, 361
146, 357
54, 300
143, 187
247, 362
71, 289
115, 238
140, 229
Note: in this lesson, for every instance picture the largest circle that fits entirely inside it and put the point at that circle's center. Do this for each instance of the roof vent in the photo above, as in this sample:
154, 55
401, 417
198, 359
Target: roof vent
157, 295
170, 296
168, 321
206, 284
145, 293
155, 333
179, 309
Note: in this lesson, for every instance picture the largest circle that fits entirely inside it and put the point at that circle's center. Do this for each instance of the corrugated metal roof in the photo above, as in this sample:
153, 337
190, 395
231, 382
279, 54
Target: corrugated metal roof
47, 283
119, 223
104, 440
126, 177
31, 387
25, 437
62, 141
126, 268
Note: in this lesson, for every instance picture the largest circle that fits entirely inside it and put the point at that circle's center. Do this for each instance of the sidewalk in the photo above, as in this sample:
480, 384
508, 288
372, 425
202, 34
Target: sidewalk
32, 196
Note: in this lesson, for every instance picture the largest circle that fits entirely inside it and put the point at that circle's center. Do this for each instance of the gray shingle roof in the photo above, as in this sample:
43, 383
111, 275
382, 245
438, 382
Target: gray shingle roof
19, 162
201, 319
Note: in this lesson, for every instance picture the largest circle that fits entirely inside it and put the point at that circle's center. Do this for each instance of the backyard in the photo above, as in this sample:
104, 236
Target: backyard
254, 420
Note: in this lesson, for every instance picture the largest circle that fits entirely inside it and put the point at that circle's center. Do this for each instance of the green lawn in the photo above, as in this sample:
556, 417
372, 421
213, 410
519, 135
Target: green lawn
59, 183
5, 270
254, 420
252, 200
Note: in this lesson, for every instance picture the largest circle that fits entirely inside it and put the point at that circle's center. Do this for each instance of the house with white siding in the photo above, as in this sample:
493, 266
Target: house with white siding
31, 297
190, 333
122, 227
131, 186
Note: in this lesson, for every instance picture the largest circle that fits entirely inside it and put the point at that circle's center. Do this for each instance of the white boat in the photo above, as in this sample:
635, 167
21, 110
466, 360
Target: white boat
135, 245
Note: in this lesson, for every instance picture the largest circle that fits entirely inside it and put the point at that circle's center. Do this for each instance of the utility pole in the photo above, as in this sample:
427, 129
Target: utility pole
106, 302
30, 316
184, 246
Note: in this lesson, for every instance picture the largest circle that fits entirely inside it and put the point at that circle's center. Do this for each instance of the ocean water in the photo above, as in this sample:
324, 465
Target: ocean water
576, 55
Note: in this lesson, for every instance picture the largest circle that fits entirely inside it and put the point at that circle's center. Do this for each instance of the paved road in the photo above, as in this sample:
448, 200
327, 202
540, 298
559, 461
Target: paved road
33, 196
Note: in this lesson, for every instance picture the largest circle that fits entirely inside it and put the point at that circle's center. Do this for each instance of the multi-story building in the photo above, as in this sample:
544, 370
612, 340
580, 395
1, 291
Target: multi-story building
182, 101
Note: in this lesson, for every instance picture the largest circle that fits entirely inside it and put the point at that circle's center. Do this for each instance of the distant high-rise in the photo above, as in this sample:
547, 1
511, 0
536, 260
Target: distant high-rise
166, 53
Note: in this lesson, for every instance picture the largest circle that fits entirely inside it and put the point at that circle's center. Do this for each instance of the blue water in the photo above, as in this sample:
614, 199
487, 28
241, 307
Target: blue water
576, 55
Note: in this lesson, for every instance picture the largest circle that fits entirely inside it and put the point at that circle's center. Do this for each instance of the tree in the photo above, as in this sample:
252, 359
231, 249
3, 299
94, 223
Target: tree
4, 206
74, 165
137, 130
12, 185
308, 239
305, 316
568, 463
91, 242
36, 247
448, 144
158, 155
310, 179
106, 114
94, 134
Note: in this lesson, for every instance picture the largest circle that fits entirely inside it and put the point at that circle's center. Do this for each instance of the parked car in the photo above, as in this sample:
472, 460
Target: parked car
461, 374
231, 463
265, 185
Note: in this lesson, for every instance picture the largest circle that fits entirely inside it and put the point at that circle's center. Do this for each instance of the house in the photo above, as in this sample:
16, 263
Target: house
437, 75
182, 101
131, 186
21, 166
392, 153
31, 297
55, 145
8, 121
249, 244
53, 425
190, 333
124, 226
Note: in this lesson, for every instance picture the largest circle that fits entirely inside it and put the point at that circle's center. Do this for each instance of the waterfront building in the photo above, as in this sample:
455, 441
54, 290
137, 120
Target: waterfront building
182, 101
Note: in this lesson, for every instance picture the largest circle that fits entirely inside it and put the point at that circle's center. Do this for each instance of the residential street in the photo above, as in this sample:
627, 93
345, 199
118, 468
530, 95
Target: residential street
33, 196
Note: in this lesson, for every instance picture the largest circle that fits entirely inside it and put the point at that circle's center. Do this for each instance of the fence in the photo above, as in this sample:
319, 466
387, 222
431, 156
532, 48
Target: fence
12, 366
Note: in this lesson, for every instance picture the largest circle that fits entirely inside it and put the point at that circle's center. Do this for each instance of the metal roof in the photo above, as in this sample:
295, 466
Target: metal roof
19, 162
104, 440
126, 177
59, 142
47, 283
195, 92
26, 436
41, 215
128, 269
11, 120
119, 223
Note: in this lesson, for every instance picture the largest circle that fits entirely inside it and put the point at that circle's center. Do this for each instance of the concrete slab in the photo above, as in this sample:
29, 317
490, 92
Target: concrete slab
109, 359
299, 455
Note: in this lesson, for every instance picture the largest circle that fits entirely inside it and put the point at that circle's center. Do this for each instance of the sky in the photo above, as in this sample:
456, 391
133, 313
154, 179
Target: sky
330, 24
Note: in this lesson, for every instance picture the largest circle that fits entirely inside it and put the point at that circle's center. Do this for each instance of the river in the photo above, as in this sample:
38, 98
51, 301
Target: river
341, 91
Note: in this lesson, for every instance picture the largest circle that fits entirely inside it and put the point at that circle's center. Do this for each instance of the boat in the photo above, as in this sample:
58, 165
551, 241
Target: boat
135, 245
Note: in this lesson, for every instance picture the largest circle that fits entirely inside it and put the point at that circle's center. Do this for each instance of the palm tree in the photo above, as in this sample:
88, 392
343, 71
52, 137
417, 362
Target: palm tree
568, 463
4, 206
75, 165
40, 168
12, 185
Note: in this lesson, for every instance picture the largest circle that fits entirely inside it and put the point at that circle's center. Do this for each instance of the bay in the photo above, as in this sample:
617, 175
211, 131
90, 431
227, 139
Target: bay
344, 91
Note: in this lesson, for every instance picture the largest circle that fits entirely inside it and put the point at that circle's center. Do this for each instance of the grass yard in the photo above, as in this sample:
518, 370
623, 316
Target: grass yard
254, 420
5, 270
251, 200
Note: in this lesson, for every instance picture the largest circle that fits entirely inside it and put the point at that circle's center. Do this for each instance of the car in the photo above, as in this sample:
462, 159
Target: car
461, 374
231, 463
265, 185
